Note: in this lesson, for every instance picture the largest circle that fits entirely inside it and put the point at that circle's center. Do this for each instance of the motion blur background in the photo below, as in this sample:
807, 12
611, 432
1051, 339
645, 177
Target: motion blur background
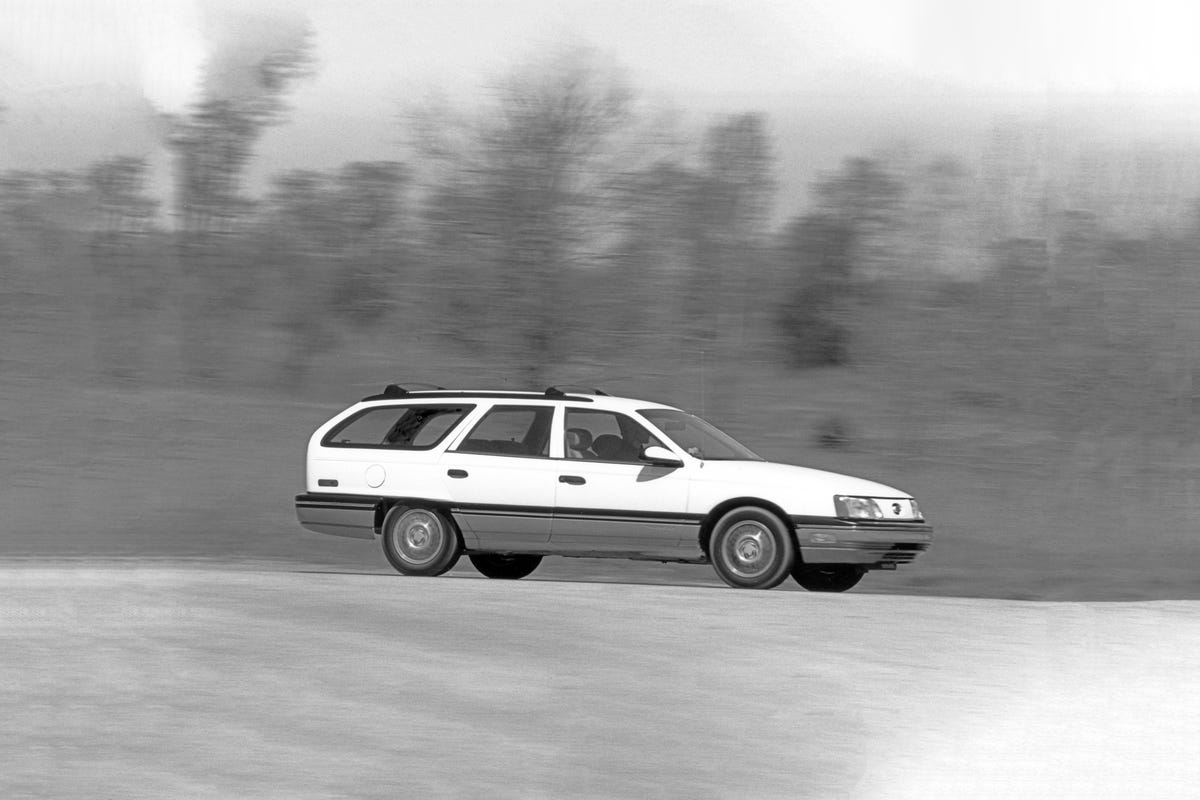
951, 246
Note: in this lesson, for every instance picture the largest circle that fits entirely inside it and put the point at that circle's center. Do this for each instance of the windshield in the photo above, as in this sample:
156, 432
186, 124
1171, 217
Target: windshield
699, 438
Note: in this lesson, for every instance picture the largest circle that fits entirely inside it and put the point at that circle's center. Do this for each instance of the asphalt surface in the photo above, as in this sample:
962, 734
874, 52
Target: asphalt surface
138, 681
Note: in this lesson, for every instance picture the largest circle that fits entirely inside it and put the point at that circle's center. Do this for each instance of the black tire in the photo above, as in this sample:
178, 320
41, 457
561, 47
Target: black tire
420, 541
828, 577
751, 548
505, 567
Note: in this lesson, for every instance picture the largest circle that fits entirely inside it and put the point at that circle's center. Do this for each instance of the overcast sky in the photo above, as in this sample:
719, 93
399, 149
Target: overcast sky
79, 75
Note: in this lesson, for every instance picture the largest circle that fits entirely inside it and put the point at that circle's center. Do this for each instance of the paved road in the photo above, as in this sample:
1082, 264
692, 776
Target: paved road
159, 682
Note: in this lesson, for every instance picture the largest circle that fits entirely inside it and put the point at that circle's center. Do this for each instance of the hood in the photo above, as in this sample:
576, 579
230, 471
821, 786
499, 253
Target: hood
789, 477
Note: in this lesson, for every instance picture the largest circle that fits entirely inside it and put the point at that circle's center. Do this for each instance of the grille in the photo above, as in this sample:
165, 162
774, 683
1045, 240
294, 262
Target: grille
903, 552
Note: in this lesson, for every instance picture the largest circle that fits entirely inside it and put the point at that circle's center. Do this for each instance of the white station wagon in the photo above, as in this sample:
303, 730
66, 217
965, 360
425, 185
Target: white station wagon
509, 477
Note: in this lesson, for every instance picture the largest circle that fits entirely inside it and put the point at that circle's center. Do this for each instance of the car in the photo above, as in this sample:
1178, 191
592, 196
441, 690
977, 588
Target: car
509, 477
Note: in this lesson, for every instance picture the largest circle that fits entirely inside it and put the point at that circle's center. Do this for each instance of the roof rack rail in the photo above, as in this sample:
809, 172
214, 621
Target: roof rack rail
417, 387
560, 391
393, 390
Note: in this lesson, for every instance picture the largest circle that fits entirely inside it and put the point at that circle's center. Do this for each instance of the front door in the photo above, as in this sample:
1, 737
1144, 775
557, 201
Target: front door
608, 502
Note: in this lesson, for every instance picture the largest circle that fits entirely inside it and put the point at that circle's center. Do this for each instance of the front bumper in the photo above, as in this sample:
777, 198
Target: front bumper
874, 546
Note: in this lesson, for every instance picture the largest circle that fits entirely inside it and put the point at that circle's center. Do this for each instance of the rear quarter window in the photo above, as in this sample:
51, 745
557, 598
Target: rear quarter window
397, 427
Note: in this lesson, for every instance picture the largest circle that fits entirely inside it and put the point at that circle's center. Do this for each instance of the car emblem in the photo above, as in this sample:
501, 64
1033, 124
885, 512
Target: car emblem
896, 509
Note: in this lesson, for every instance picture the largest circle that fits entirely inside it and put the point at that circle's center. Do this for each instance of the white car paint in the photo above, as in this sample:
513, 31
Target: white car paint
796, 490
510, 495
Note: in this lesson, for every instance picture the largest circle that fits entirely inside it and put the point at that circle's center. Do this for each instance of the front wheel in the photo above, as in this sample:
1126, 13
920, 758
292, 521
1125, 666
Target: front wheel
751, 549
827, 577
420, 541
505, 567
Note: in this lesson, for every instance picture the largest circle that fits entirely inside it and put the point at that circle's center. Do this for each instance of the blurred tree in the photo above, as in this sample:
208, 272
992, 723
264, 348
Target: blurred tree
835, 252
335, 245
119, 186
521, 199
941, 224
43, 204
213, 145
243, 93
813, 318
125, 275
1091, 333
729, 216
643, 294
727, 226
44, 290
868, 198
685, 278
1018, 184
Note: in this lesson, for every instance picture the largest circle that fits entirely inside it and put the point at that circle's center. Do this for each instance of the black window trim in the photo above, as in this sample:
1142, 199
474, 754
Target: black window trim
326, 440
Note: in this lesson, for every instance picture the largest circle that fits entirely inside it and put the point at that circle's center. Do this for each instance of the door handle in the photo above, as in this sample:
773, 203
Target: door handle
574, 480
456, 473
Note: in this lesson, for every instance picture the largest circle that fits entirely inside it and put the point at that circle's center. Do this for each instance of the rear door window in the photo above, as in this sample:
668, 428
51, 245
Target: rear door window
511, 430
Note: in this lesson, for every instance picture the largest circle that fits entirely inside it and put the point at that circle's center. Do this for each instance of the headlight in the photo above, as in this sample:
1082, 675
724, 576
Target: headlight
857, 507
900, 509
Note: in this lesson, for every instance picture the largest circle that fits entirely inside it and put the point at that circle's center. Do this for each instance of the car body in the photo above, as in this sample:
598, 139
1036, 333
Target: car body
508, 477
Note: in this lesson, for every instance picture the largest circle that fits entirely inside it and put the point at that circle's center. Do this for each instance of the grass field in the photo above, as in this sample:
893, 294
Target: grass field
1020, 511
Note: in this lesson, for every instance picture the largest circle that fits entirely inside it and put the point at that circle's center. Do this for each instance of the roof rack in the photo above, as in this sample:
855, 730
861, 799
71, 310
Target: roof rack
393, 390
563, 390
405, 388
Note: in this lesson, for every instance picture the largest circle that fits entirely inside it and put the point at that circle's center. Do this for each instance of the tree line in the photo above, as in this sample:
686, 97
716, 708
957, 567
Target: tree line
562, 223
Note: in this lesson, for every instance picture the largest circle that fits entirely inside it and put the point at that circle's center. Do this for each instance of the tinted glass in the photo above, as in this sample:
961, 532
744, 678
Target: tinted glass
605, 436
698, 438
511, 430
406, 427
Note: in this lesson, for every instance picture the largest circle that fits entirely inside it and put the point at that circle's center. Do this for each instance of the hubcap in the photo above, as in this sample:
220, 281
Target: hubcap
418, 537
749, 550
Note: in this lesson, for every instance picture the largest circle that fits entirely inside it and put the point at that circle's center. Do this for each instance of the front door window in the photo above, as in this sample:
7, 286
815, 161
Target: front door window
604, 436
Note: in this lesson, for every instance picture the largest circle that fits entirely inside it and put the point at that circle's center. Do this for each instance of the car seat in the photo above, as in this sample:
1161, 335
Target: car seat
579, 442
610, 448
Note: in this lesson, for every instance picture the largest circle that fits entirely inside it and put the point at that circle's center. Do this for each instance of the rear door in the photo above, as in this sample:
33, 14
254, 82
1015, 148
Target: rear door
608, 502
501, 479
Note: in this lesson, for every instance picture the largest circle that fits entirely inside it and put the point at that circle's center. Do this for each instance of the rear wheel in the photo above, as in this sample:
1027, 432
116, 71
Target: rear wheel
827, 577
751, 549
420, 541
505, 567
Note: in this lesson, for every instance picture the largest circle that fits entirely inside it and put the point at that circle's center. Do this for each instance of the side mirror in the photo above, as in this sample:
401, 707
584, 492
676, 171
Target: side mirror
659, 456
